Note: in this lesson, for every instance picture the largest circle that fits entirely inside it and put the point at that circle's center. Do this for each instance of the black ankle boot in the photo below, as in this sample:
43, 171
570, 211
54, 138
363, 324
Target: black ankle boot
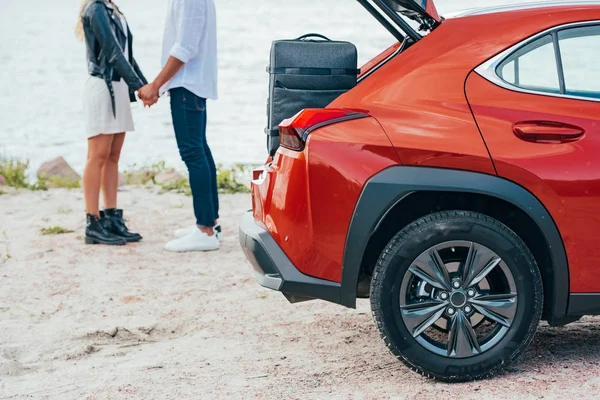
96, 233
115, 223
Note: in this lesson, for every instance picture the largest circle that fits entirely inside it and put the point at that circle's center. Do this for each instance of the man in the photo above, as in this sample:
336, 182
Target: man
189, 74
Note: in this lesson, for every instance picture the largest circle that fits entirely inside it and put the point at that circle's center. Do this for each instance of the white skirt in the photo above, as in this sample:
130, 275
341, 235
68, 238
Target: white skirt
97, 105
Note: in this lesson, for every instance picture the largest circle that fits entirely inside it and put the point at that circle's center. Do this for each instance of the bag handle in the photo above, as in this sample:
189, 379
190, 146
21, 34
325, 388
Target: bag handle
316, 35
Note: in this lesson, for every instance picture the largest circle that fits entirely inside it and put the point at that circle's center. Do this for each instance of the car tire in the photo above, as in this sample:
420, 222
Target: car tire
396, 280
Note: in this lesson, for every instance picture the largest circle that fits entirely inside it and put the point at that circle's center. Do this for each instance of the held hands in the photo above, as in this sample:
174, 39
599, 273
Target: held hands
148, 94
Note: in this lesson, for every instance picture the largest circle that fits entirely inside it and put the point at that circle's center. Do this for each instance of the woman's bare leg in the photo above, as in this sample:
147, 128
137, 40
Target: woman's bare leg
110, 173
98, 152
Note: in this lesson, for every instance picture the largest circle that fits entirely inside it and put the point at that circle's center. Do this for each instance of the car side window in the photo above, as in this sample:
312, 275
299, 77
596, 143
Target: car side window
579, 50
532, 67
565, 61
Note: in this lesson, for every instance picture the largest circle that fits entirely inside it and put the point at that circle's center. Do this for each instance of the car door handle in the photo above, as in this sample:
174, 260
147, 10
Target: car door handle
547, 132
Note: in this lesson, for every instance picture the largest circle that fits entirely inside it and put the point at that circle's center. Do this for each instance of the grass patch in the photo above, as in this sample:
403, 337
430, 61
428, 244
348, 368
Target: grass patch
64, 210
2, 192
143, 175
6, 256
66, 183
55, 230
181, 186
15, 175
14, 172
228, 180
38, 186
43, 183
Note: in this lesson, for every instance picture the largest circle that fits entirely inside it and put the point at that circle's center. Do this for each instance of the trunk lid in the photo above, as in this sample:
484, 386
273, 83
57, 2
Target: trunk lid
423, 11
393, 15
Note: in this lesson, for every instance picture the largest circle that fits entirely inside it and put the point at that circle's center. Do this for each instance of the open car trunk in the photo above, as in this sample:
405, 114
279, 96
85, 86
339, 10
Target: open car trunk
312, 71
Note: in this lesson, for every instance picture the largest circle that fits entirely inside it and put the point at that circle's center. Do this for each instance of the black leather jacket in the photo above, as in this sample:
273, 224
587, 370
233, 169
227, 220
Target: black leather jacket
105, 39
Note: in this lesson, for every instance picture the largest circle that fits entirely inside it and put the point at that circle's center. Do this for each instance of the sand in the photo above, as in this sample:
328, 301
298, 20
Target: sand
137, 322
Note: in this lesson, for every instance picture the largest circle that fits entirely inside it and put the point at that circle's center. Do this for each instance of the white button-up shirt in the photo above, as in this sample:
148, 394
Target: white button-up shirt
191, 36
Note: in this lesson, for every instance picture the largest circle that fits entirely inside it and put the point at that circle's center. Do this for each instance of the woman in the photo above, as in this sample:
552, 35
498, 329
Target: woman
114, 78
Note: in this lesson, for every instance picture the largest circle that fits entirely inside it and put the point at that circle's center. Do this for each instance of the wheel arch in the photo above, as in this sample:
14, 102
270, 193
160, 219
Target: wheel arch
400, 187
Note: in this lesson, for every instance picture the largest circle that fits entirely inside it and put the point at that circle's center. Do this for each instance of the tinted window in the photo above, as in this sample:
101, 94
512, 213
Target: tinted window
580, 53
532, 67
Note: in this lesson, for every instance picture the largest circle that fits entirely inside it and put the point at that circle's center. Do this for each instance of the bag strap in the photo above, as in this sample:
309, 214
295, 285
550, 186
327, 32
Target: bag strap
273, 132
314, 71
315, 35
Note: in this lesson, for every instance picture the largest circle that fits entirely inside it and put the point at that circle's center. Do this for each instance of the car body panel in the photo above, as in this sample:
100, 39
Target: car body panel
564, 176
425, 126
503, 8
370, 65
426, 117
309, 219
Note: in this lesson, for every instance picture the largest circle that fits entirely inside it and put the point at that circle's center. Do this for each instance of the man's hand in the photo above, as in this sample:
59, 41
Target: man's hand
148, 94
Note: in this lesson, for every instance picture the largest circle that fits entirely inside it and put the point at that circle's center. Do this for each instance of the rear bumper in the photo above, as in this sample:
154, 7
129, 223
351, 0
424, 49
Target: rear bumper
274, 270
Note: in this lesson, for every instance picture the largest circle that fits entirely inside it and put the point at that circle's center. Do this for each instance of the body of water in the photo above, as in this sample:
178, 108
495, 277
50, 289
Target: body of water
43, 70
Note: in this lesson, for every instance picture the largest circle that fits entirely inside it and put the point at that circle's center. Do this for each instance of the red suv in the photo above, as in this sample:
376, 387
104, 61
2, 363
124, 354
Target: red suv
457, 185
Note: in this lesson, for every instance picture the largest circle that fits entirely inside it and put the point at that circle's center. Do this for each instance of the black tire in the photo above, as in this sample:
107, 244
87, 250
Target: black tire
413, 241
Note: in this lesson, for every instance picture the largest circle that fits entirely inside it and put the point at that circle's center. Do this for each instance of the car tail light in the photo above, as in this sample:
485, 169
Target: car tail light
294, 131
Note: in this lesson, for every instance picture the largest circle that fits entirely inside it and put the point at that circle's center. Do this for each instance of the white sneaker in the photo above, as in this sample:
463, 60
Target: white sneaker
179, 233
195, 241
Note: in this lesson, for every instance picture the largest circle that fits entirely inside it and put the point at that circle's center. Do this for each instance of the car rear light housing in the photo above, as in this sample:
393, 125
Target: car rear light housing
294, 131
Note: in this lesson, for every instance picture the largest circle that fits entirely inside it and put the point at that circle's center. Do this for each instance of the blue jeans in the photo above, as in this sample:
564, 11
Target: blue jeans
189, 120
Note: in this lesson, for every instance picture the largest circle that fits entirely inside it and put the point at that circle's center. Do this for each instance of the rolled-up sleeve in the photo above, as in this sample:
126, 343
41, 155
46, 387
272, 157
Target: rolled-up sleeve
189, 20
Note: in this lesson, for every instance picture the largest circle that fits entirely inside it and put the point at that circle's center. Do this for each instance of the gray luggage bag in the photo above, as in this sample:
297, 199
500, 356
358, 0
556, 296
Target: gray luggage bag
308, 72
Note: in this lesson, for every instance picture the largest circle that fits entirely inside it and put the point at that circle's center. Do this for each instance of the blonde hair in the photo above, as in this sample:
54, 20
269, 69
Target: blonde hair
79, 33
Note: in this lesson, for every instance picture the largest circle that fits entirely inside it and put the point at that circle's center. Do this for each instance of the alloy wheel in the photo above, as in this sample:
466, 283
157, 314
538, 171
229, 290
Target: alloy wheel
458, 299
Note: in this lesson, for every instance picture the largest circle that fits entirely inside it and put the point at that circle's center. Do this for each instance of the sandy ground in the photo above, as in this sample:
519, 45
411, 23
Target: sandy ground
80, 322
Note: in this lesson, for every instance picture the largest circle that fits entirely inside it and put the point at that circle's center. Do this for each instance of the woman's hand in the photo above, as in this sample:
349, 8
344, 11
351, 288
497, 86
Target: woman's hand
148, 94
